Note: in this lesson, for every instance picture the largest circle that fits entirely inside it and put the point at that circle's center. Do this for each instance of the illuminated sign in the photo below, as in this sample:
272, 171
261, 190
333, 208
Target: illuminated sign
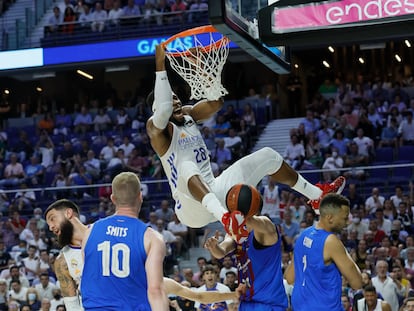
90, 52
21, 59
331, 13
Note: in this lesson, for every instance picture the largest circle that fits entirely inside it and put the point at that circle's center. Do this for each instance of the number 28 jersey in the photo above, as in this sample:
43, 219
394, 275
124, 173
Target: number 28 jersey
114, 276
187, 144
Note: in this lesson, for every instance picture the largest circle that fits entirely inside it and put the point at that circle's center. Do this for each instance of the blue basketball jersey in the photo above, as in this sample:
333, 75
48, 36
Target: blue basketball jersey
317, 286
260, 267
114, 276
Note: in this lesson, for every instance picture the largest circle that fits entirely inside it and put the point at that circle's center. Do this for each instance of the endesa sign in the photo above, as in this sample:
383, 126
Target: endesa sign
320, 15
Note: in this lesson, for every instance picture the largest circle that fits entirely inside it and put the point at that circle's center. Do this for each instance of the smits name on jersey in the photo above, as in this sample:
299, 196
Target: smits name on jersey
116, 231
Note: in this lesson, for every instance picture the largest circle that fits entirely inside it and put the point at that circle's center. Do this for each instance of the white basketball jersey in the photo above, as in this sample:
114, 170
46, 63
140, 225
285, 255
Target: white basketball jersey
187, 144
271, 202
74, 260
362, 307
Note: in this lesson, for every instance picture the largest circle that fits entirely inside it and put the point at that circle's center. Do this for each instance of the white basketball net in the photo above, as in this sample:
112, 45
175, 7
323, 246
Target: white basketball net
201, 67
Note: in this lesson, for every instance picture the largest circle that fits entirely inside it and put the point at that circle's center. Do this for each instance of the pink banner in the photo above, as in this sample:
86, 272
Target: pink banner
325, 14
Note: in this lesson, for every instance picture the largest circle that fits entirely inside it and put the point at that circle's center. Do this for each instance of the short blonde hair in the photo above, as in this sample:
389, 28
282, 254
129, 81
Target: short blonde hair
126, 188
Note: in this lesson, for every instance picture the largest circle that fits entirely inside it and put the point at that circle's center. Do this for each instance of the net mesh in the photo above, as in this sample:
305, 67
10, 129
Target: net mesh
201, 66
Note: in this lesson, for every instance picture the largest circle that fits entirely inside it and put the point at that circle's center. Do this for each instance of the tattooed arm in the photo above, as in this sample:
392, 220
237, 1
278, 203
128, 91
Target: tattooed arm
67, 285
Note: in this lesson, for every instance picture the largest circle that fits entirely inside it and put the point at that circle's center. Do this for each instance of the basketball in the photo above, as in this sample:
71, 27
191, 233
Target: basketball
245, 199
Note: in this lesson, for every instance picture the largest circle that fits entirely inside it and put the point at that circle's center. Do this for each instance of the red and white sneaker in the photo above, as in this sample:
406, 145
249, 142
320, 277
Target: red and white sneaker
235, 226
337, 186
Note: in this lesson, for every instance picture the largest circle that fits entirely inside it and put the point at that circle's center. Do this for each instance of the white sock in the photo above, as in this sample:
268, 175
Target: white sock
213, 205
307, 188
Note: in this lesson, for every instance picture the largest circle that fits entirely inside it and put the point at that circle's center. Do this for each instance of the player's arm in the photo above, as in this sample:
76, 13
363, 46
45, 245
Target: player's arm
334, 250
204, 109
67, 285
219, 250
175, 288
155, 248
158, 125
289, 274
264, 230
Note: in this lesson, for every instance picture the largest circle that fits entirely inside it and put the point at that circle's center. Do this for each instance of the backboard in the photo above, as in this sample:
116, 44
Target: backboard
304, 23
237, 19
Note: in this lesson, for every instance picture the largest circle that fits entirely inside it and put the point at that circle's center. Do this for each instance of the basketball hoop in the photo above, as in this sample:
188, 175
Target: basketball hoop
201, 64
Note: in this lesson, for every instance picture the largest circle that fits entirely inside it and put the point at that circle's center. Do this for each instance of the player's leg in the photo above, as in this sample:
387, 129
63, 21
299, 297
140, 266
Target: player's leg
191, 182
266, 161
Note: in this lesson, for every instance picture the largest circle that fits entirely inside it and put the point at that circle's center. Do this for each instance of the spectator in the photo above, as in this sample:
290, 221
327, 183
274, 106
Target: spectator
227, 266
180, 231
115, 13
383, 223
69, 19
131, 10
389, 135
57, 302
99, 17
385, 285
365, 144
209, 276
371, 301
45, 305
221, 155
13, 173
352, 160
294, 153
16, 275
127, 146
122, 120
249, 117
93, 165
138, 163
55, 20
340, 142
24, 199
117, 164
32, 299
332, 163
63, 123
45, 287
221, 128
85, 18
83, 120
196, 10
108, 152
406, 130
4, 295
17, 291
165, 212
162, 9
101, 121
31, 263
46, 149
34, 172
271, 202
374, 201
179, 7
357, 224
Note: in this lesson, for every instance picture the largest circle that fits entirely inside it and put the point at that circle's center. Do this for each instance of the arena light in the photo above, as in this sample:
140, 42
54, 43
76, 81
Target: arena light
407, 43
361, 60
6, 91
326, 64
39, 89
296, 66
331, 49
398, 58
84, 74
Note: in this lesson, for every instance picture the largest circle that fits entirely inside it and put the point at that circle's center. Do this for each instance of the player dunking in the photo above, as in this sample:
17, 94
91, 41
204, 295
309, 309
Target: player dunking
199, 196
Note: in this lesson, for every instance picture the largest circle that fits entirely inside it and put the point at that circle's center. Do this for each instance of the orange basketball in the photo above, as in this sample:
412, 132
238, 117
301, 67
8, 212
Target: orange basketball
245, 199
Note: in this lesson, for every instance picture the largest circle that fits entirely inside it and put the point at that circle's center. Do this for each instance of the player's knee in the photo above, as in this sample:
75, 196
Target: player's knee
276, 160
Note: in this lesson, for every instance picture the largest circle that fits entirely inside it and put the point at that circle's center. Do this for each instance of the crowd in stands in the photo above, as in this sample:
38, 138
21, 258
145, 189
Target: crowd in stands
92, 144
98, 16
350, 128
